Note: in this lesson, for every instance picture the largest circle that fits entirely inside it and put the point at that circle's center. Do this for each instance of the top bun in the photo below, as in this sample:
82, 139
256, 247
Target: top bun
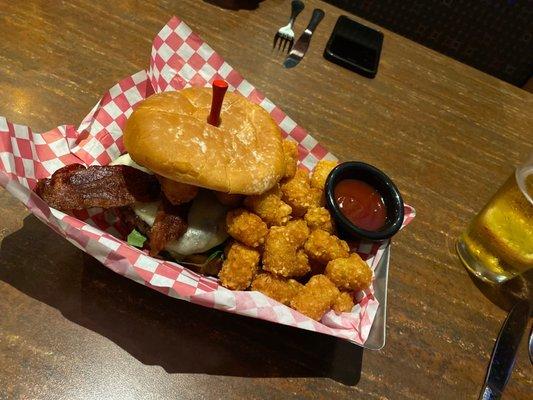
168, 133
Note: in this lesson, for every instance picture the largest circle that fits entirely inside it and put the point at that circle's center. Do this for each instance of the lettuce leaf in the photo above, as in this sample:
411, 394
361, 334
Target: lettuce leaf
215, 254
137, 239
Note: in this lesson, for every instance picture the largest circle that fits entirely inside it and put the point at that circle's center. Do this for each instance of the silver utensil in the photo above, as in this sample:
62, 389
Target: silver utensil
285, 35
504, 353
301, 45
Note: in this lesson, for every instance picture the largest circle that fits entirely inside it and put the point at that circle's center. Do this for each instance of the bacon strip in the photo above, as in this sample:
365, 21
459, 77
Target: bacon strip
169, 225
75, 187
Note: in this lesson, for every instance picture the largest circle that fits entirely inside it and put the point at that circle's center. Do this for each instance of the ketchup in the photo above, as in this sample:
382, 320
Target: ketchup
361, 204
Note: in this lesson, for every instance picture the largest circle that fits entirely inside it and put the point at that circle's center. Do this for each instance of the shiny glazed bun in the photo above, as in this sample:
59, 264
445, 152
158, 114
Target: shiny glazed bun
168, 133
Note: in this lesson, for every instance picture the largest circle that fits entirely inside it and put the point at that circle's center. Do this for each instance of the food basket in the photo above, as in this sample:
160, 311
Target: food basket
179, 59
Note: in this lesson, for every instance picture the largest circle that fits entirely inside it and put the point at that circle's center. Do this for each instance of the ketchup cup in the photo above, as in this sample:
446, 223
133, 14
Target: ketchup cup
382, 184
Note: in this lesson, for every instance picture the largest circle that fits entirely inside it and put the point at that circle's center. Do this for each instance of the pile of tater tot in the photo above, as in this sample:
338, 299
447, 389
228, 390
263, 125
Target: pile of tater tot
283, 244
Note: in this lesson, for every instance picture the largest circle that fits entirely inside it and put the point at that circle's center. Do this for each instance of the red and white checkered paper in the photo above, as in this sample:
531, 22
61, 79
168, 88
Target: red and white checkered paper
179, 59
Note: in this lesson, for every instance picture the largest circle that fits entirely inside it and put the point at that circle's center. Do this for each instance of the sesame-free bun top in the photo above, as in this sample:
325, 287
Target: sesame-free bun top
168, 133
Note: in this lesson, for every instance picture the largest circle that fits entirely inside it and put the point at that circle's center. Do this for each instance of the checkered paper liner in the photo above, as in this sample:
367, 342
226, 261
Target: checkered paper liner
179, 59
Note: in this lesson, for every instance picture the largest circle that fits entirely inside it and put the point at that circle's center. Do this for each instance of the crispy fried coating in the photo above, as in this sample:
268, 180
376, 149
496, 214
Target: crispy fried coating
269, 207
349, 273
279, 289
298, 194
316, 297
246, 227
176, 192
323, 247
283, 254
319, 196
319, 218
290, 148
320, 173
229, 199
343, 303
298, 232
239, 267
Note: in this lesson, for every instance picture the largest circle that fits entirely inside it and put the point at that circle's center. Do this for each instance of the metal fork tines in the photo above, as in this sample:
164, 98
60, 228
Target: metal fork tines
285, 34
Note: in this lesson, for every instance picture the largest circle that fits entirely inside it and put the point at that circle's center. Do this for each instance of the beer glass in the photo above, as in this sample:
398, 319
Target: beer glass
498, 243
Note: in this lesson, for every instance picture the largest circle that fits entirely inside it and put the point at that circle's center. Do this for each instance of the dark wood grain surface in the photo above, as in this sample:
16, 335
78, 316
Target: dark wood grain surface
447, 134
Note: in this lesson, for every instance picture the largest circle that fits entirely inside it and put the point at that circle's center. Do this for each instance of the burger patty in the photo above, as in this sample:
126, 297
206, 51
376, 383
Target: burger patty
127, 216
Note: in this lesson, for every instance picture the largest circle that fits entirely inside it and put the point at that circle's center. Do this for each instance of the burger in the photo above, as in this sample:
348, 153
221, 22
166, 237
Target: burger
181, 172
192, 157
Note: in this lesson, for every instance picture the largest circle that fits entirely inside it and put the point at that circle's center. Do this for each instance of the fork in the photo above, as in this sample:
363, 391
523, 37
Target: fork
285, 34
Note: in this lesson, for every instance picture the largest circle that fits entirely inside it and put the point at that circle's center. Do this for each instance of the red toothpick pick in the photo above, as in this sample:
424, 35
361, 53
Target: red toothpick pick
219, 90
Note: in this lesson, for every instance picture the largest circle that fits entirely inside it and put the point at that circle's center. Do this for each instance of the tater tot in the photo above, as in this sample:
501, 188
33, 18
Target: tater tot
316, 297
269, 207
320, 173
350, 273
280, 289
246, 227
343, 303
298, 194
283, 254
323, 247
177, 193
319, 197
290, 148
228, 199
319, 218
298, 232
239, 267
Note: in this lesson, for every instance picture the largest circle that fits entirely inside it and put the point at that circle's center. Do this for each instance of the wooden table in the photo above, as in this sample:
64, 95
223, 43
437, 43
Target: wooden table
446, 133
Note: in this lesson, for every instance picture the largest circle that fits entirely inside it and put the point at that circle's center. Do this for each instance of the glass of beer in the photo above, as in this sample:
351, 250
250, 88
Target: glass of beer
498, 243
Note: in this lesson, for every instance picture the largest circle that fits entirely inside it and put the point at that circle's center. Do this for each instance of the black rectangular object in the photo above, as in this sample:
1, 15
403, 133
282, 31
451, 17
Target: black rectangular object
354, 46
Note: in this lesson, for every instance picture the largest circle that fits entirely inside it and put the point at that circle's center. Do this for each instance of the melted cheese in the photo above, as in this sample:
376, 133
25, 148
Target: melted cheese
146, 211
206, 224
125, 159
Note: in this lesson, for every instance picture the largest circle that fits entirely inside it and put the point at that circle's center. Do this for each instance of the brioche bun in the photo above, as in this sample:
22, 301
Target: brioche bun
168, 133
